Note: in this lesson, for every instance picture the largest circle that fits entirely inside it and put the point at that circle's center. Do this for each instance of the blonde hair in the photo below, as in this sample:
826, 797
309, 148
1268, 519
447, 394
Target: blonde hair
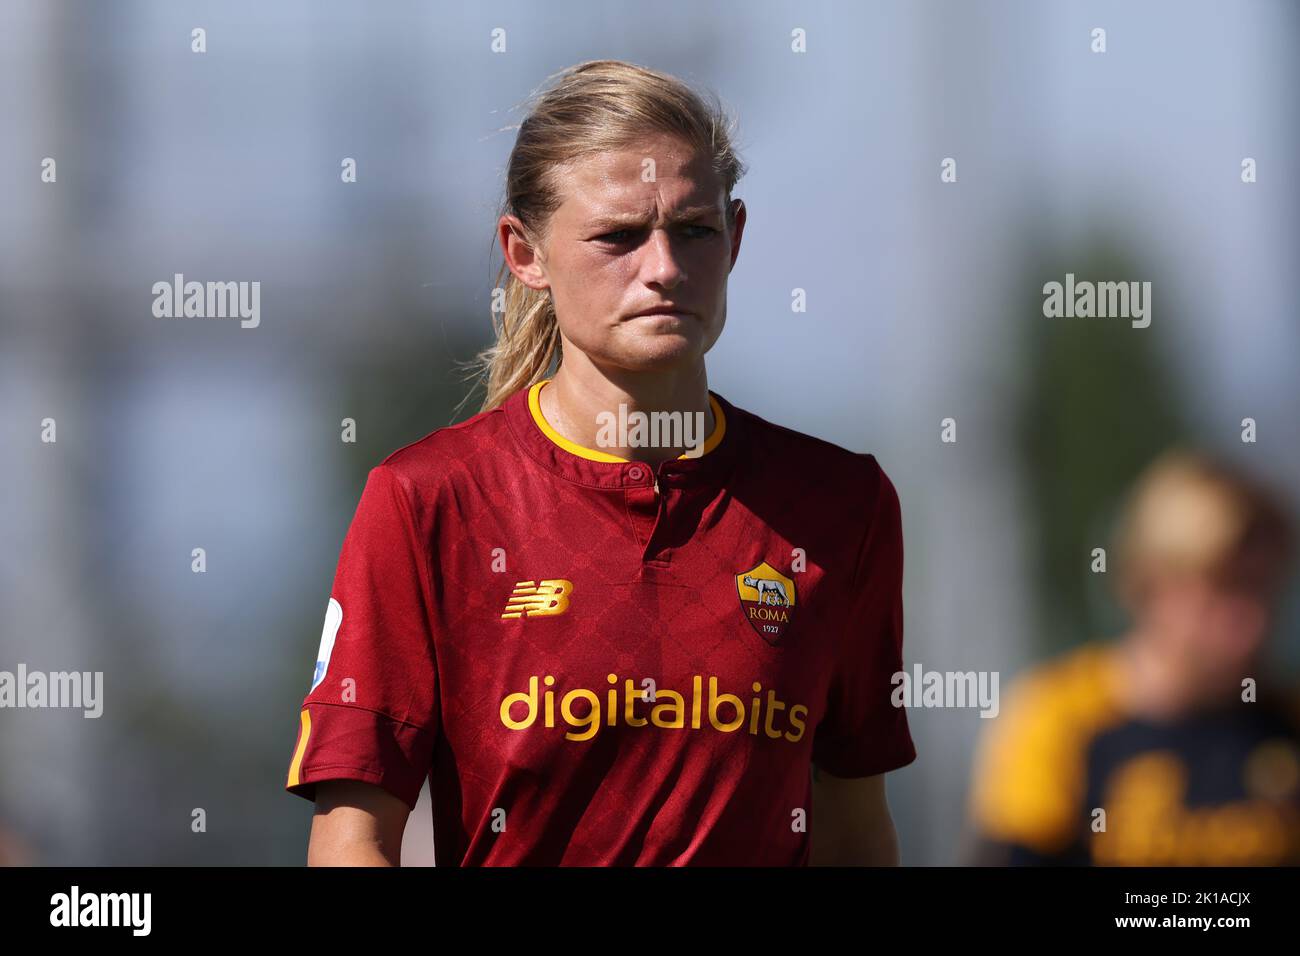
1190, 513
595, 106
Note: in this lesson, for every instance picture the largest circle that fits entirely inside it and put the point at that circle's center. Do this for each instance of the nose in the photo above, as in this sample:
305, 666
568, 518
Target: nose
662, 266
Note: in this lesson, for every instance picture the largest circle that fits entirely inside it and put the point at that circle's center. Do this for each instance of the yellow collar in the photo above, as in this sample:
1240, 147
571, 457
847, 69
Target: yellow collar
535, 406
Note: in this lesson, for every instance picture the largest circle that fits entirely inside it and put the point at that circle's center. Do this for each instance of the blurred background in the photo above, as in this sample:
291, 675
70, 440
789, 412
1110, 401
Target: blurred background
924, 302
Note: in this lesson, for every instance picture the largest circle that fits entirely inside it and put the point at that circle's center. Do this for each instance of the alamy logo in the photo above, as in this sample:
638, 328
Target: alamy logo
924, 688
75, 908
651, 430
57, 689
211, 300
1102, 300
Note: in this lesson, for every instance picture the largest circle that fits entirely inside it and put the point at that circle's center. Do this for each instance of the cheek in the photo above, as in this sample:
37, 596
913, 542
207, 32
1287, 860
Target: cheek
1240, 624
710, 264
1225, 631
714, 331
593, 284
579, 289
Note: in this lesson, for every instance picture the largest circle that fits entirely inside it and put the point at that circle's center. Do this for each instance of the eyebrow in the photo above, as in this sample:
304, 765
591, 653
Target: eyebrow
634, 219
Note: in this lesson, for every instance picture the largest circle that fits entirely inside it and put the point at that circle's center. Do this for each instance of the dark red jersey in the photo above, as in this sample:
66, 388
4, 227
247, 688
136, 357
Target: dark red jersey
599, 662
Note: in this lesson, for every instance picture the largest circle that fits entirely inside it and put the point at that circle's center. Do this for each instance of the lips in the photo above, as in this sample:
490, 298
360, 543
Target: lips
661, 310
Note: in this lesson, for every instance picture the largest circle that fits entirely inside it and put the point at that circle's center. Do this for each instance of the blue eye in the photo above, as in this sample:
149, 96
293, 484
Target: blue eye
621, 236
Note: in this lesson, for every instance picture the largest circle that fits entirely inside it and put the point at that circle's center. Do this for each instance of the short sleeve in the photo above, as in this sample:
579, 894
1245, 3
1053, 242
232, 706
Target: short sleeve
862, 733
1026, 779
371, 713
1030, 772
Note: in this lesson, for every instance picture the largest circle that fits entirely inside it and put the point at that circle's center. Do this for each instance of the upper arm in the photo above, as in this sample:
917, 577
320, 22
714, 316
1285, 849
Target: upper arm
356, 824
372, 712
1030, 774
863, 731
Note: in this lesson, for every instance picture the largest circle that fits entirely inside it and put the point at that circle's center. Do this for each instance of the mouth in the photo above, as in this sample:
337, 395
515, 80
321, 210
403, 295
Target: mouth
663, 310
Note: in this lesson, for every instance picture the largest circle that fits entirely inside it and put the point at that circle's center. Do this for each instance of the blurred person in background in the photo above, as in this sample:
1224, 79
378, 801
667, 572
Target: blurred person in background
1170, 746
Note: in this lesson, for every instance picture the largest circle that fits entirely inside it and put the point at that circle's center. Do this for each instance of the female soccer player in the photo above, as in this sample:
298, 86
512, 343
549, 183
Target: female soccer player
613, 618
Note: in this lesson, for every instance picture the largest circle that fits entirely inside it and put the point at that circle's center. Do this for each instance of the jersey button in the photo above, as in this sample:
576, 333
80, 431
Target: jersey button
636, 473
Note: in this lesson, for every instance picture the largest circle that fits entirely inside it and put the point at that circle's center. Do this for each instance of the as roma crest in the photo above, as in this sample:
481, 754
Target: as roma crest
767, 600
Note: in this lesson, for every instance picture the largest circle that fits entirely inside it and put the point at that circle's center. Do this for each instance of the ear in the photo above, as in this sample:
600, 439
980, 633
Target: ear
737, 229
520, 256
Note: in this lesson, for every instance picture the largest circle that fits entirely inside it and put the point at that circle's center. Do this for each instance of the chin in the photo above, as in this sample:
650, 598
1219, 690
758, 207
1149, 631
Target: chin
657, 356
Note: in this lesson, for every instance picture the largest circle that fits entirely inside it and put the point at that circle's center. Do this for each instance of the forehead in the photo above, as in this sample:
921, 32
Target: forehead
617, 181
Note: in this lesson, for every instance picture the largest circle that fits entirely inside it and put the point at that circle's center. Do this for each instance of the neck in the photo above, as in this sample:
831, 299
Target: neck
586, 405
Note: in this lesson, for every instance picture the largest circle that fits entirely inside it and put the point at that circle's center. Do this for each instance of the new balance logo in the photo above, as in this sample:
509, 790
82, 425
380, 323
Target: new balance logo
539, 599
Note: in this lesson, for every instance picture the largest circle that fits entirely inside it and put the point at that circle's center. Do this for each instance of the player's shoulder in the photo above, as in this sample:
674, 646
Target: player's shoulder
790, 454
448, 452
1045, 723
1079, 688
1030, 762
